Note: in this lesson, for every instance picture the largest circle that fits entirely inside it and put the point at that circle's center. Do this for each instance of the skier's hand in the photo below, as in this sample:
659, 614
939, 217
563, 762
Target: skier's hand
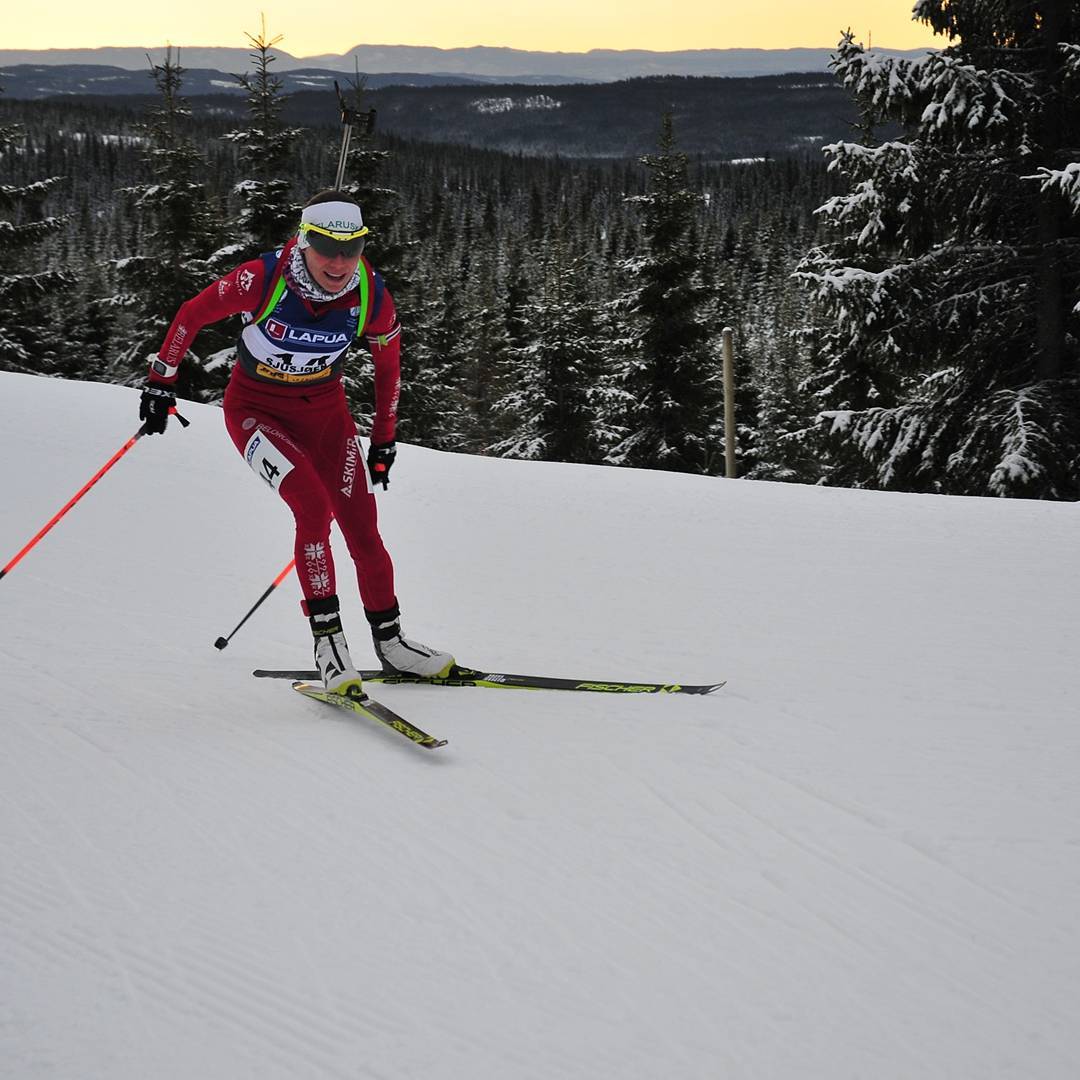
380, 457
154, 407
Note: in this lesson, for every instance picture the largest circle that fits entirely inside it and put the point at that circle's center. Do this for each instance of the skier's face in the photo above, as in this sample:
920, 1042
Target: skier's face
331, 272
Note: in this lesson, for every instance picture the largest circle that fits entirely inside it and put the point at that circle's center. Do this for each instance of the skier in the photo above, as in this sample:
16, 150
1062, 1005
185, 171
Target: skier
285, 410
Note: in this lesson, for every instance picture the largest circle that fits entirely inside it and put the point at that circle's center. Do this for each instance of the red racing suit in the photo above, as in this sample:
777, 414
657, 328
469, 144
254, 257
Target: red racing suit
290, 420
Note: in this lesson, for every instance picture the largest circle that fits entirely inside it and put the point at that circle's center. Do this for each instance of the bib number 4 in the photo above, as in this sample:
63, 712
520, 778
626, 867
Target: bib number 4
267, 460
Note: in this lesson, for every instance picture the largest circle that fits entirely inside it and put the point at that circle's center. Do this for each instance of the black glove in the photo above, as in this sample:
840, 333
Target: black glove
154, 406
379, 459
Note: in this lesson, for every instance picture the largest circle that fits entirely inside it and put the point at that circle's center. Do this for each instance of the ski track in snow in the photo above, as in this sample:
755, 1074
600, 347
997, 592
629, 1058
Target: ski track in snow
858, 859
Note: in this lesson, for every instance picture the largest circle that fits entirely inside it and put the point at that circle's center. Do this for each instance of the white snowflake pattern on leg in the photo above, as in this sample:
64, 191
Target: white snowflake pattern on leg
317, 568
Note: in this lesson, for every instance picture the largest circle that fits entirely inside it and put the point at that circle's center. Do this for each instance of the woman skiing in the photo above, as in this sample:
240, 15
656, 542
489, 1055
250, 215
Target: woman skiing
285, 410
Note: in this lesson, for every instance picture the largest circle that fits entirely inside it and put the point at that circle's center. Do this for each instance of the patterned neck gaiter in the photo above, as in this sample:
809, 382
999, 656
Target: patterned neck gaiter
300, 280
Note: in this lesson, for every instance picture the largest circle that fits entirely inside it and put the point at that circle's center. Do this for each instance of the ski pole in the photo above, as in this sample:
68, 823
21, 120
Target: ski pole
223, 641
74, 499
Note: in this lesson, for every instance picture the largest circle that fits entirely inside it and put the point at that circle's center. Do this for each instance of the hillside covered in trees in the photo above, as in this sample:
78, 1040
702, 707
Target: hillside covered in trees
905, 308
498, 263
718, 118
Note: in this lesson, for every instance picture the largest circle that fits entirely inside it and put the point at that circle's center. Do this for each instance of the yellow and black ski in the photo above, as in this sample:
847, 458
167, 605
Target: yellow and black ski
461, 676
359, 702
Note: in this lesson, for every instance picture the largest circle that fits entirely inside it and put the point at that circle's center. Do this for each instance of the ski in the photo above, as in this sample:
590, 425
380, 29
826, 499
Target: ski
461, 676
374, 710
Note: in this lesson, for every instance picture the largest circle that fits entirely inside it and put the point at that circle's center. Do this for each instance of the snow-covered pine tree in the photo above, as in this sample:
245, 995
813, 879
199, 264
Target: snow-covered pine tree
951, 324
552, 409
503, 330
177, 240
489, 367
28, 284
756, 264
671, 373
268, 210
434, 356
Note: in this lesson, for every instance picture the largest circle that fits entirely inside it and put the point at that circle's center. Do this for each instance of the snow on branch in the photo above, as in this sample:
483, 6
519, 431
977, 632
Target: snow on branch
877, 204
1071, 52
39, 189
965, 96
849, 157
1065, 181
1023, 429
841, 279
892, 440
958, 96
888, 82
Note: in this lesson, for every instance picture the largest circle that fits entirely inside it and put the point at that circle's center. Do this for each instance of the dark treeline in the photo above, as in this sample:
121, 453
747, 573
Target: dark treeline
719, 118
492, 259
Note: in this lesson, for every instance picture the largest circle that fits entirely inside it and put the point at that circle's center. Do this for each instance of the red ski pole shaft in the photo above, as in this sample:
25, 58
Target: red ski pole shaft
73, 500
223, 641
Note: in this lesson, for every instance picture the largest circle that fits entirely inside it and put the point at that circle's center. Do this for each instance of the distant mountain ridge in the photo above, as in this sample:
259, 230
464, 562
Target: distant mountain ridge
597, 65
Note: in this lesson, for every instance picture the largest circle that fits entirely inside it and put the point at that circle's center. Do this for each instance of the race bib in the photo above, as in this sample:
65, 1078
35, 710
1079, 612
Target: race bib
266, 460
264, 371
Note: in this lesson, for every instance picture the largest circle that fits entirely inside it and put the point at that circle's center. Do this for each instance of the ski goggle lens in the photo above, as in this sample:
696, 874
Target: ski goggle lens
330, 244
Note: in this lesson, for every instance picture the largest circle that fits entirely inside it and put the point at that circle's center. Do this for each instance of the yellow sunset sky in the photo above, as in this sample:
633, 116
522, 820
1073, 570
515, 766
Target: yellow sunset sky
319, 26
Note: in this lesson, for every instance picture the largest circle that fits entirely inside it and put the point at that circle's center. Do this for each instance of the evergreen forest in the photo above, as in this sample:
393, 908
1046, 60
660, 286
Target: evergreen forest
905, 306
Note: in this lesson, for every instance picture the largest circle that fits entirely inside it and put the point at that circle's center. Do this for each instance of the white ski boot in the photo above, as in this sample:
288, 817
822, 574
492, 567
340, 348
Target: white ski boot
401, 656
332, 658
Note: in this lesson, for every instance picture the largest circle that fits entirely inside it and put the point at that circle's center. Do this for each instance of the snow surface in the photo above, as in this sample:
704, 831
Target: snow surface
861, 858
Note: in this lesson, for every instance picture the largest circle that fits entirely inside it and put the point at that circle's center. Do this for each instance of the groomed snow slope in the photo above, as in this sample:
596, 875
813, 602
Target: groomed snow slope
861, 858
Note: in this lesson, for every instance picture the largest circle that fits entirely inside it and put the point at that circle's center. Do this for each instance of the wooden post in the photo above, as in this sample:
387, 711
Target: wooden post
729, 404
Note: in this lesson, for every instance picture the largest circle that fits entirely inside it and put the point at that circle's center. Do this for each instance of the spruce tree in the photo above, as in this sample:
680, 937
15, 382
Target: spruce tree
552, 408
29, 283
950, 333
489, 367
434, 355
268, 210
177, 240
671, 373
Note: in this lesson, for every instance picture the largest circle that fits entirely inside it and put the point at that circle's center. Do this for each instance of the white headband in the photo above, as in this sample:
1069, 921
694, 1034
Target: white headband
342, 217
